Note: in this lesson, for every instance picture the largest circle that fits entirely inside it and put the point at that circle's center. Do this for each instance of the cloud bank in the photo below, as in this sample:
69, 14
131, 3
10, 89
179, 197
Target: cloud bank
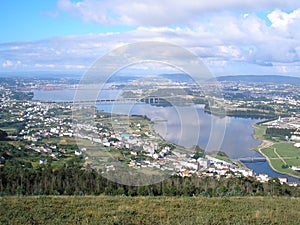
232, 37
163, 13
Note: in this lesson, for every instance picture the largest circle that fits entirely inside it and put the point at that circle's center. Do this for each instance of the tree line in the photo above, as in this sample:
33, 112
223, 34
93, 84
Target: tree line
18, 176
279, 132
74, 179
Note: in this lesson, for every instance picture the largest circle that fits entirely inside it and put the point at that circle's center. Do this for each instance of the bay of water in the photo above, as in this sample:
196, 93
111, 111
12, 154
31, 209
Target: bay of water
190, 125
54, 95
69, 94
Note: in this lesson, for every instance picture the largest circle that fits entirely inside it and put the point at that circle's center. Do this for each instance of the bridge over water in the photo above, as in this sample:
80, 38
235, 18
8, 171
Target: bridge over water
149, 100
252, 159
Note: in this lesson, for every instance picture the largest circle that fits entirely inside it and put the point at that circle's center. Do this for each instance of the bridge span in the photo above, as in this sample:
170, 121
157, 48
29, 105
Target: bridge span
252, 159
148, 100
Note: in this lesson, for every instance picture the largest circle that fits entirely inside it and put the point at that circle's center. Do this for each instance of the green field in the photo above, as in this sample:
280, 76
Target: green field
287, 150
259, 132
149, 210
278, 153
270, 153
289, 155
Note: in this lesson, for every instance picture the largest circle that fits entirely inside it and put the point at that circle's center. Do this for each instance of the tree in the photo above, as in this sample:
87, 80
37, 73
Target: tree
3, 135
198, 152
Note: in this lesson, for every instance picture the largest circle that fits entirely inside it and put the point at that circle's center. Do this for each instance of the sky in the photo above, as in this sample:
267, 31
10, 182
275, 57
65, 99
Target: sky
231, 37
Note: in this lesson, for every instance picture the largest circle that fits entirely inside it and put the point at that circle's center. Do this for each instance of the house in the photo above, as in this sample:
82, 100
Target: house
283, 180
78, 152
88, 163
106, 144
185, 173
54, 155
155, 156
43, 161
133, 153
211, 169
262, 178
297, 145
296, 168
292, 184
223, 171
204, 163
67, 134
246, 172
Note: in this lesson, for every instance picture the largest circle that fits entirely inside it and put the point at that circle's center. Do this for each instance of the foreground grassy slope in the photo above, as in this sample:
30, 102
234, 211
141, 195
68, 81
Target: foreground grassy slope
148, 210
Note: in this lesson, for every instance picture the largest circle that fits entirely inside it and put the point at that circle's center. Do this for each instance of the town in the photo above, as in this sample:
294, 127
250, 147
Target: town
47, 128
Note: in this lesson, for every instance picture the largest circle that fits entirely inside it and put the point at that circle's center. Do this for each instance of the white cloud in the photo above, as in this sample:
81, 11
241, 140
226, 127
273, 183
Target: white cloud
282, 21
11, 64
89, 10
44, 66
7, 63
224, 39
70, 66
162, 13
283, 69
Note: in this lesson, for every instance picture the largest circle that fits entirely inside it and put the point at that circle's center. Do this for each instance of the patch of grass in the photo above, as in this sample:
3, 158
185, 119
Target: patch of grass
287, 150
260, 131
269, 152
294, 161
289, 153
148, 210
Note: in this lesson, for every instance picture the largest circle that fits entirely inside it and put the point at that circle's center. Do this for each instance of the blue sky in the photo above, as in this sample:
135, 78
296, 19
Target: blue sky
35, 20
230, 36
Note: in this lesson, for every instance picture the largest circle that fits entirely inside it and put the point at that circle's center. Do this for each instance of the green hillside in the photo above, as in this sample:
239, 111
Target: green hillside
149, 210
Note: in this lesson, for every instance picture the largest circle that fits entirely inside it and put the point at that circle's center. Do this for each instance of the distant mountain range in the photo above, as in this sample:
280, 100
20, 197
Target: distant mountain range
41, 74
177, 77
276, 79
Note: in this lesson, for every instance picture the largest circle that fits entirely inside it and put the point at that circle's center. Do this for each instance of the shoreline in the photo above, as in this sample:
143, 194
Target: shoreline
267, 144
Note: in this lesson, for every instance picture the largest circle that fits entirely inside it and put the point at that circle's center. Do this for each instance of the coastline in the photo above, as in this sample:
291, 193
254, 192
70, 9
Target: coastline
267, 144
